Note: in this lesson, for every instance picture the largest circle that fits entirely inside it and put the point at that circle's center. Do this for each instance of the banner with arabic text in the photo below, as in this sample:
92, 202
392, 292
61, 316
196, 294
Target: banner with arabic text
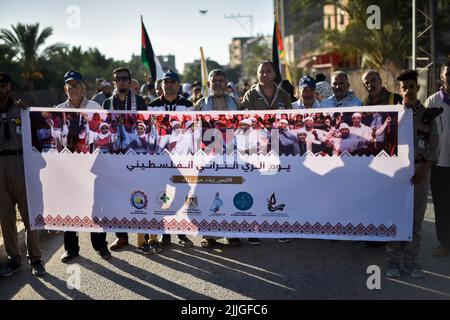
339, 173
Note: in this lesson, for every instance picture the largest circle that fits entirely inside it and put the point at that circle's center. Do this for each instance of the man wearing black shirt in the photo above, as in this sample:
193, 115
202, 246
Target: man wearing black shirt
171, 100
123, 99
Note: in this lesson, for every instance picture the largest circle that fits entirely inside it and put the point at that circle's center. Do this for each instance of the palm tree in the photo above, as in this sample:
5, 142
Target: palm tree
26, 40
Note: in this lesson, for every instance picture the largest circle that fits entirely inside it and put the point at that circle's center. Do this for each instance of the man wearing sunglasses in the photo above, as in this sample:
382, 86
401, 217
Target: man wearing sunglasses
123, 99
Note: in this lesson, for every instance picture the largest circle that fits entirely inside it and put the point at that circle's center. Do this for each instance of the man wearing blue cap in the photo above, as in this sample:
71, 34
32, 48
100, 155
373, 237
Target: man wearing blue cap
75, 89
171, 100
307, 90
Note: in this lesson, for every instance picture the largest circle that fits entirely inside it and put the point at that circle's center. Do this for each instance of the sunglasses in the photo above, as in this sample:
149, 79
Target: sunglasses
118, 79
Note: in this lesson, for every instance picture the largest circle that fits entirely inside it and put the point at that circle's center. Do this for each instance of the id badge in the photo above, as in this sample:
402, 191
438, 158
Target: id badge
18, 124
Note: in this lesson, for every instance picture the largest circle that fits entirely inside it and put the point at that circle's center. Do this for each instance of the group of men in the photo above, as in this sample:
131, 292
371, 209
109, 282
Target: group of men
431, 146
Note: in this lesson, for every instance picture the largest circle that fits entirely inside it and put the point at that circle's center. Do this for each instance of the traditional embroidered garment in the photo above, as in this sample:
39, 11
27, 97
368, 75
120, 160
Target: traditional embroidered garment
208, 103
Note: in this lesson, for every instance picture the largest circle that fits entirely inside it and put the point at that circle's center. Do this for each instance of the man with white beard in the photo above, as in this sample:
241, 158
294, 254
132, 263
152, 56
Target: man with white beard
346, 141
246, 138
315, 137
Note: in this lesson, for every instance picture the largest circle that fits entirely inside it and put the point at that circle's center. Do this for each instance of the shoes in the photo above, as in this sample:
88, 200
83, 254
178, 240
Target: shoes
441, 251
148, 249
393, 270
165, 240
118, 244
234, 242
104, 253
11, 268
207, 243
68, 255
185, 242
38, 268
254, 241
284, 240
414, 270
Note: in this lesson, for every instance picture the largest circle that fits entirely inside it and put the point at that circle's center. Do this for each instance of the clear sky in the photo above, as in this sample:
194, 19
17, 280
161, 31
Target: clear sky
174, 26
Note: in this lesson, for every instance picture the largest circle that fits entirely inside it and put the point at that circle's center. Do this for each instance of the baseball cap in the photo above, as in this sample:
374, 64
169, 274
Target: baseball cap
171, 75
247, 122
4, 77
307, 82
73, 75
284, 121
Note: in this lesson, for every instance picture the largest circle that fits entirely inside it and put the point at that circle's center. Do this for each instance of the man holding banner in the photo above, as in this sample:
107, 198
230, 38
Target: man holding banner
266, 95
218, 99
75, 89
425, 154
12, 187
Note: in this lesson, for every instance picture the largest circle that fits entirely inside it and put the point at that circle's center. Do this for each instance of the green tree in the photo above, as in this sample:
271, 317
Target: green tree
193, 72
26, 41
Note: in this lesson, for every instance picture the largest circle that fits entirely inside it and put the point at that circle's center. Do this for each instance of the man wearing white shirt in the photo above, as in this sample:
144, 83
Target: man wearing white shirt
75, 89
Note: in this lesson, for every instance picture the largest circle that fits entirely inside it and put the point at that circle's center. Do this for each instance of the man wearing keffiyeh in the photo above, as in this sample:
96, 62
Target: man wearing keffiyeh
343, 96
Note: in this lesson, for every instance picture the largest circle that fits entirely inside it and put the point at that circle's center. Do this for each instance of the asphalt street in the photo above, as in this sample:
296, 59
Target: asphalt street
303, 269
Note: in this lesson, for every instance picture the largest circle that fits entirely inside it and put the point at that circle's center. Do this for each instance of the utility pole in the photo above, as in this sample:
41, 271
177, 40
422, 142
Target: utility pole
427, 48
434, 67
414, 36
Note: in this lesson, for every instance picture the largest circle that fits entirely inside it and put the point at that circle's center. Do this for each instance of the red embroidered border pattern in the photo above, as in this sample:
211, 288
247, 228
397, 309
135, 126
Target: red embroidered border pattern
214, 226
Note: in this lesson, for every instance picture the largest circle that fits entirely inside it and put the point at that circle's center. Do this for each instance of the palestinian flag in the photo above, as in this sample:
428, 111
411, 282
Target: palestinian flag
147, 53
279, 55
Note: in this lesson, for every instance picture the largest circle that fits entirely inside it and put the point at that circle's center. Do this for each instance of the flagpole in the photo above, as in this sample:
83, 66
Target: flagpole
204, 73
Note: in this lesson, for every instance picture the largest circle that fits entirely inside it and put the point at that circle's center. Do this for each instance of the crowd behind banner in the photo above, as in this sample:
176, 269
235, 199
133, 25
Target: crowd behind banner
367, 134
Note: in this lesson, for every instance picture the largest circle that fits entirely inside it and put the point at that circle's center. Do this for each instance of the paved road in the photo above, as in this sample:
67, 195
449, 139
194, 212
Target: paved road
303, 269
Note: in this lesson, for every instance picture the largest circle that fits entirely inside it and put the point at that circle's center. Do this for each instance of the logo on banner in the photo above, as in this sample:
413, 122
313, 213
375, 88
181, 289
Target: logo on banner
217, 204
272, 204
191, 205
139, 200
165, 199
191, 202
243, 201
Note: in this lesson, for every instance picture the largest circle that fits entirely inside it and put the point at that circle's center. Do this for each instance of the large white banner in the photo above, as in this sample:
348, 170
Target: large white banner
335, 174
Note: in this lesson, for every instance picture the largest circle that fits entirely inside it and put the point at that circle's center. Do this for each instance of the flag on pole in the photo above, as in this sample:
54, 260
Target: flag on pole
148, 57
279, 56
204, 73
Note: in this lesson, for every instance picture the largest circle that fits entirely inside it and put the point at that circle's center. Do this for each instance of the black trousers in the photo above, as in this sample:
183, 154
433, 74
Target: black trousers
440, 187
98, 241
